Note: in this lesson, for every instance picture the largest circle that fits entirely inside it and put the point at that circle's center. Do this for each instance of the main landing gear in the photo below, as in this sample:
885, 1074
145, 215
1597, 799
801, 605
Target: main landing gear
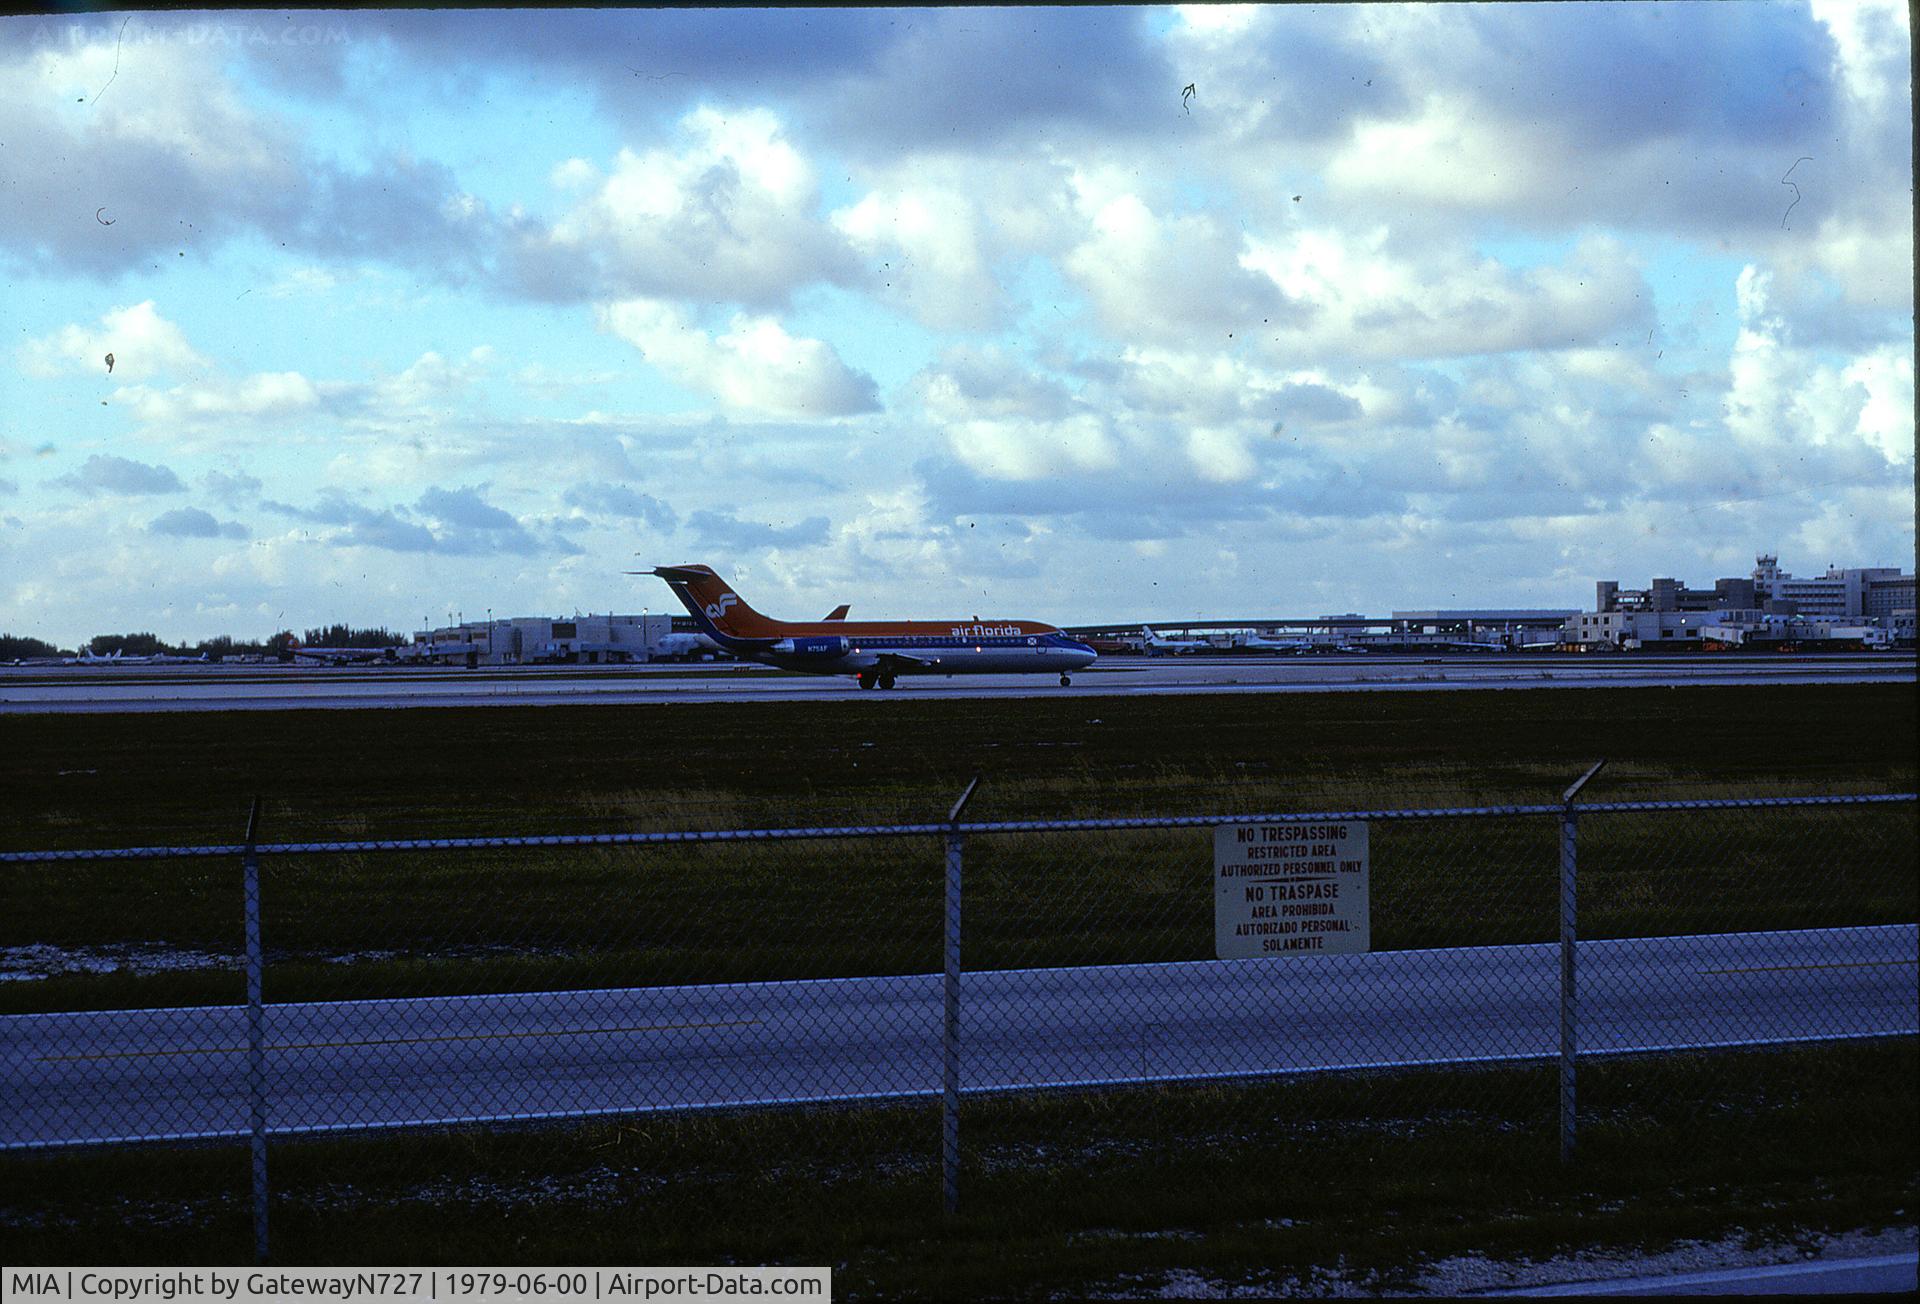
868, 678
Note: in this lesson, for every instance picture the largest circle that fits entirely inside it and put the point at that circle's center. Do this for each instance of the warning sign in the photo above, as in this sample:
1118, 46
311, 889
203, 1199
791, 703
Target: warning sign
1285, 889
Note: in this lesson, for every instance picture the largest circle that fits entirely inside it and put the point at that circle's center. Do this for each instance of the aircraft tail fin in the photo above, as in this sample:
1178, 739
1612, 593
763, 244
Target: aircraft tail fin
720, 612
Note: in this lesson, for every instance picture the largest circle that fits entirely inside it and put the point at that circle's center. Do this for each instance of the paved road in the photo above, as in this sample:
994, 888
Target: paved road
220, 688
1887, 1274
121, 1075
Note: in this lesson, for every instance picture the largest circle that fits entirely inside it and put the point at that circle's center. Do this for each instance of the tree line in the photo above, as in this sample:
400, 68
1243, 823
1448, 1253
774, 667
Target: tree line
15, 647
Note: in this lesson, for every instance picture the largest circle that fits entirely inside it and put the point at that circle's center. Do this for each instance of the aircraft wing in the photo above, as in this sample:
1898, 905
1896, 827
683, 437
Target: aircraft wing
903, 659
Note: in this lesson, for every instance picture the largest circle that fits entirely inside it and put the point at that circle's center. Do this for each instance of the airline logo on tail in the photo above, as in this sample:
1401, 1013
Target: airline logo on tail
717, 610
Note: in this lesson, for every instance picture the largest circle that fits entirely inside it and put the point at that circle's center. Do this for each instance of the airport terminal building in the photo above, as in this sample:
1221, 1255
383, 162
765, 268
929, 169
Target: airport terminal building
543, 640
1869, 607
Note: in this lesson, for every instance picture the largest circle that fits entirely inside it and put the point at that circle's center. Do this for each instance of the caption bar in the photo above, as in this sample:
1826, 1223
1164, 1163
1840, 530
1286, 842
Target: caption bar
350, 1285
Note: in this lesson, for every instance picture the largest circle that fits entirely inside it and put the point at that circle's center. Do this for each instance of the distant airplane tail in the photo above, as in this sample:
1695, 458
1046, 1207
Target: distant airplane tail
720, 612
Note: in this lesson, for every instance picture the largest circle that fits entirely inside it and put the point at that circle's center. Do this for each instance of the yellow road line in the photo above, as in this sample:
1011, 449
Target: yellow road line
1784, 968
396, 1041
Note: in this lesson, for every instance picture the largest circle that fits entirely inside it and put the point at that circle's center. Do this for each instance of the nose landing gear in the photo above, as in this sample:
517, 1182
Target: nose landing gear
1065, 681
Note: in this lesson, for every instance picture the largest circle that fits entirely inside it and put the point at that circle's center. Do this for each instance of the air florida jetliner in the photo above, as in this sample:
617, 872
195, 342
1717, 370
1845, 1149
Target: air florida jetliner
875, 651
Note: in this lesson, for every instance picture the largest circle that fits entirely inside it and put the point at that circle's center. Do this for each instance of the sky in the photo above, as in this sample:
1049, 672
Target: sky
1065, 314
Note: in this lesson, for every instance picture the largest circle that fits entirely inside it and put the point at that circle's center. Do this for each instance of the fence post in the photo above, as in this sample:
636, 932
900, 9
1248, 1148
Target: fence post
1569, 1000
950, 1031
256, 1035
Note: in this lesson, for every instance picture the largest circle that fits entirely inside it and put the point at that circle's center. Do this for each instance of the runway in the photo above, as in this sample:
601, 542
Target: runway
34, 690
114, 1076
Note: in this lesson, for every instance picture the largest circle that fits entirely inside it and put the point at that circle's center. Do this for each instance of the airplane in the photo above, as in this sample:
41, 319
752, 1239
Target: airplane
341, 656
685, 647
1252, 642
875, 652
119, 658
1158, 646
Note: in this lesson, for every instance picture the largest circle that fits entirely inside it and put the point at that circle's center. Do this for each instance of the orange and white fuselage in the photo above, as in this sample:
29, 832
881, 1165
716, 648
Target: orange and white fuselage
875, 651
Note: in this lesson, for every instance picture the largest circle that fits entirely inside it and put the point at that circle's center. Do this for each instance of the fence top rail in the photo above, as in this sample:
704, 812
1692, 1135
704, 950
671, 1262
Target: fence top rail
686, 836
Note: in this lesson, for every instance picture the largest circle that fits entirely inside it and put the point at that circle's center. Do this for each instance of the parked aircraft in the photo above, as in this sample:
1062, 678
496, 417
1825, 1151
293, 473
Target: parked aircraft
875, 652
117, 658
342, 656
685, 647
1158, 646
1259, 643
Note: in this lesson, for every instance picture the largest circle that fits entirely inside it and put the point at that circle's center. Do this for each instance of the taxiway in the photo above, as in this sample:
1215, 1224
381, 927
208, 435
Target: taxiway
276, 688
123, 1075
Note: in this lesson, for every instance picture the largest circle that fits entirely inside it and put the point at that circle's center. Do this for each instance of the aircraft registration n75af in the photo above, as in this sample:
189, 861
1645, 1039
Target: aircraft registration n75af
876, 652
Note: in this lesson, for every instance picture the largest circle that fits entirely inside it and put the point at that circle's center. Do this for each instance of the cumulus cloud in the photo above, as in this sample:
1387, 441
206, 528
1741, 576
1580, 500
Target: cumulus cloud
262, 396
623, 500
755, 367
1446, 154
192, 523
142, 342
972, 383
1367, 298
428, 382
983, 78
186, 163
463, 521
729, 217
1167, 278
457, 521
1007, 423
224, 410
938, 270
1373, 298
1792, 417
105, 474
727, 532
1619, 105
184, 150
231, 488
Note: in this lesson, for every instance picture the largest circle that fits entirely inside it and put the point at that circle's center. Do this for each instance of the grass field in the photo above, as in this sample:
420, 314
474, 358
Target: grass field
1270, 1188
1266, 1185
107, 780
443, 923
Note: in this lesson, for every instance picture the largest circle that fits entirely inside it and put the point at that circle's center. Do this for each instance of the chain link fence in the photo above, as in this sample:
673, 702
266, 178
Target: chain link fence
979, 1006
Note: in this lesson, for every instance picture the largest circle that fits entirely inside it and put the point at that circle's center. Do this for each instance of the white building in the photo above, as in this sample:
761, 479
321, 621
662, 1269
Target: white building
1868, 605
1871, 591
530, 640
